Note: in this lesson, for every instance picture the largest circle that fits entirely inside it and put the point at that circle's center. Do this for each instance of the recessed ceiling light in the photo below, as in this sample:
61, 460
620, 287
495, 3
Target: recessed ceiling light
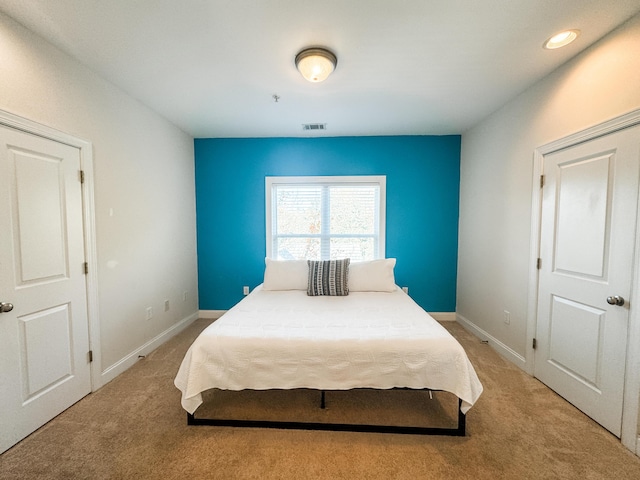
561, 39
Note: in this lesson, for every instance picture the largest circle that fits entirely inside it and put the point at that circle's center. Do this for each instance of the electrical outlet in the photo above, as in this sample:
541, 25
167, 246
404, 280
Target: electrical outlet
507, 318
184, 296
245, 290
166, 305
149, 313
405, 290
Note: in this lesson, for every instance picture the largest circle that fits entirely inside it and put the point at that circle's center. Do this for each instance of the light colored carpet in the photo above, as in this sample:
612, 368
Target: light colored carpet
134, 428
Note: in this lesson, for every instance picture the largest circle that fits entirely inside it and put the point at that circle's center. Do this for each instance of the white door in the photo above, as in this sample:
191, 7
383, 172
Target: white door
44, 339
589, 204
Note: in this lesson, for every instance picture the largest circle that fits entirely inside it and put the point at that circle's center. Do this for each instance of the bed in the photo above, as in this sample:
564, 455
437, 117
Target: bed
282, 336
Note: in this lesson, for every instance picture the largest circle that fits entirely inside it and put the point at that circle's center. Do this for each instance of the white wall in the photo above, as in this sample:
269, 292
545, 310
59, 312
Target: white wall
496, 179
496, 175
144, 190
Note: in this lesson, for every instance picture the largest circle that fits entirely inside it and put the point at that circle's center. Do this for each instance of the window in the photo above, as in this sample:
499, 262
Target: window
322, 218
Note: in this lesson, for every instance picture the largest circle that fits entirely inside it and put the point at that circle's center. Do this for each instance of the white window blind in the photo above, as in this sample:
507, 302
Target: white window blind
322, 218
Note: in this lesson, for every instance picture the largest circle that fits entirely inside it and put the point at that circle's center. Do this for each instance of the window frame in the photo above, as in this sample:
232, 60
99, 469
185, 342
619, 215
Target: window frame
379, 180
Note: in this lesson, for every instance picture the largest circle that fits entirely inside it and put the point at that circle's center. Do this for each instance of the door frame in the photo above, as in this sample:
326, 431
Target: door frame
631, 399
88, 213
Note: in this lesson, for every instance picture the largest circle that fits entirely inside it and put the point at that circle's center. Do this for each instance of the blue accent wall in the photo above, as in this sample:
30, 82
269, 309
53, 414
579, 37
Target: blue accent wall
423, 183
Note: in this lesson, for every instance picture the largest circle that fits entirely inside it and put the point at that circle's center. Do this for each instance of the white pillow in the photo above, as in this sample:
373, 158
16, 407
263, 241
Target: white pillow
372, 276
285, 275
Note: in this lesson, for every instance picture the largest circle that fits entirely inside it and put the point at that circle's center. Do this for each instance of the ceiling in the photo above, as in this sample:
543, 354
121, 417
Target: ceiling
405, 67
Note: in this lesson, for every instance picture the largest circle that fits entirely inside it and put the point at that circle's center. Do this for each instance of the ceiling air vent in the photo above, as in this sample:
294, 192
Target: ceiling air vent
314, 126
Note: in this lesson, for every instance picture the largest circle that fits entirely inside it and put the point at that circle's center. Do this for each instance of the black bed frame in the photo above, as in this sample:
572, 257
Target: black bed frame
458, 431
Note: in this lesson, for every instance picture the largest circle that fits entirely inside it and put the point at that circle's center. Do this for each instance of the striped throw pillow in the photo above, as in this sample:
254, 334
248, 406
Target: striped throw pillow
328, 277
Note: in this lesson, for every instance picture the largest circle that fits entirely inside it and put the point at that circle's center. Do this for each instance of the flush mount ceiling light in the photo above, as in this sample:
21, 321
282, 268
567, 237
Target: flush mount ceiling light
561, 39
316, 64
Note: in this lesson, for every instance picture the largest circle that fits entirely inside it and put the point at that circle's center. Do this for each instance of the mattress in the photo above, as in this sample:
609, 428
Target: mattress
287, 340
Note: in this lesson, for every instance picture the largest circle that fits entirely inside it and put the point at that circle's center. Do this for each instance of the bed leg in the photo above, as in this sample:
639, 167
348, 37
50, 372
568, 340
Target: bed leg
462, 421
322, 403
191, 419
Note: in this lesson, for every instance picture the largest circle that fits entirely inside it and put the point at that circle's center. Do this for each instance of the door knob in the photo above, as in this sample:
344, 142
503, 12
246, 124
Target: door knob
5, 307
615, 300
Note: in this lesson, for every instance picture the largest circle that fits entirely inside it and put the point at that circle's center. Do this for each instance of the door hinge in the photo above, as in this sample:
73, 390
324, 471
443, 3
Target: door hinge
90, 355
81, 176
539, 263
86, 267
534, 344
541, 181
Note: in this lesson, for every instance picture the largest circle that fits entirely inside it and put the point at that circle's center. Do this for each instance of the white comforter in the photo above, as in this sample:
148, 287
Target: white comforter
286, 339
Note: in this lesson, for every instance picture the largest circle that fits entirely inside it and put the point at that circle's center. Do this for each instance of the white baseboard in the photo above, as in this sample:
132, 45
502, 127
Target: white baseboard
496, 344
120, 366
211, 313
444, 316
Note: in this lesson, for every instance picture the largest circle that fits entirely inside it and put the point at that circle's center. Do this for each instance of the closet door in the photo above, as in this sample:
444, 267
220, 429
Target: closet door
589, 206
44, 334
